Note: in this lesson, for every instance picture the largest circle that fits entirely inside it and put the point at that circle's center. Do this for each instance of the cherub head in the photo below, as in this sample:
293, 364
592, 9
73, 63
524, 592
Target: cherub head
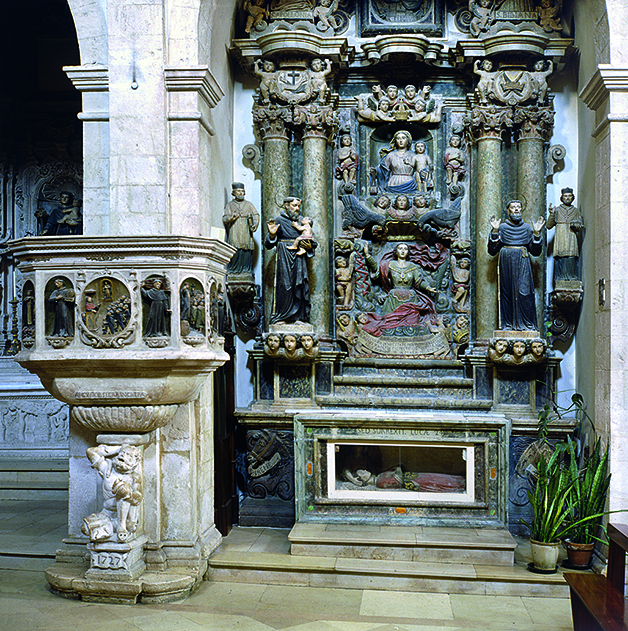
307, 341
273, 342
419, 147
290, 342
402, 202
501, 346
518, 350
316, 65
537, 349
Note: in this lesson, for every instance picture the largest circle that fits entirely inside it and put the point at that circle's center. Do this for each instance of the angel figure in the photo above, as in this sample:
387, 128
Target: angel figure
257, 12
265, 70
344, 280
484, 88
324, 13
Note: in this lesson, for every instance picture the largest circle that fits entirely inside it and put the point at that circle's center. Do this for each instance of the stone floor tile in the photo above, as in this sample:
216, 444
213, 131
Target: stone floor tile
507, 610
333, 602
550, 611
406, 605
227, 596
223, 622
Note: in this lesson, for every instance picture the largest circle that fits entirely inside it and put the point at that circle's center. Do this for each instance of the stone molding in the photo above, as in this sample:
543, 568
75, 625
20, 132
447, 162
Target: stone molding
606, 80
419, 46
91, 79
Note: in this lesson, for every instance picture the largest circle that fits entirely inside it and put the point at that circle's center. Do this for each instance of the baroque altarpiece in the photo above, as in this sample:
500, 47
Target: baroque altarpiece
402, 319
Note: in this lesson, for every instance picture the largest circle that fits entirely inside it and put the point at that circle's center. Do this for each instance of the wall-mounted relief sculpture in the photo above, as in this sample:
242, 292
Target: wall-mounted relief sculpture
108, 316
316, 16
60, 301
378, 17
291, 346
517, 351
455, 165
347, 162
156, 311
516, 241
28, 314
270, 464
64, 217
394, 104
192, 310
120, 468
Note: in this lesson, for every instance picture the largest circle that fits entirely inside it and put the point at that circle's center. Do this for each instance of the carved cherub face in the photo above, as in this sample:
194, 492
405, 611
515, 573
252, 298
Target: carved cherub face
539, 66
454, 141
317, 65
127, 459
343, 319
519, 349
419, 147
290, 342
392, 92
341, 261
273, 341
487, 64
410, 91
464, 263
402, 202
362, 318
269, 66
419, 201
384, 105
307, 341
345, 141
537, 348
382, 202
501, 346
462, 323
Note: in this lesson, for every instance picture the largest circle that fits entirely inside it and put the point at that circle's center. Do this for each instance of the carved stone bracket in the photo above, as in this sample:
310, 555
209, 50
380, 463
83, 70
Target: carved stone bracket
245, 298
564, 310
512, 351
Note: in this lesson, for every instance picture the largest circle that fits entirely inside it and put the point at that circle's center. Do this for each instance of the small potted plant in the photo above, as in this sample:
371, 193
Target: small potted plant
587, 500
550, 505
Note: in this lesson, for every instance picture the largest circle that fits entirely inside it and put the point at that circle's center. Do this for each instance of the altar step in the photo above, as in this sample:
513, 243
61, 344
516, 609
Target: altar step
33, 479
262, 555
415, 383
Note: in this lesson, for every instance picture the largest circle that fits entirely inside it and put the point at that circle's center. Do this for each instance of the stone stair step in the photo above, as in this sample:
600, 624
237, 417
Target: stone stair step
414, 544
371, 398
349, 573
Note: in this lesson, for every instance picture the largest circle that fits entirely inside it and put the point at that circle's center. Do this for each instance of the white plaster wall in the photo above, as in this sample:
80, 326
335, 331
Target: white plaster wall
243, 135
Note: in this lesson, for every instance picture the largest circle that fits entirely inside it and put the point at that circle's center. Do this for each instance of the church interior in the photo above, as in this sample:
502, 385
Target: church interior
307, 306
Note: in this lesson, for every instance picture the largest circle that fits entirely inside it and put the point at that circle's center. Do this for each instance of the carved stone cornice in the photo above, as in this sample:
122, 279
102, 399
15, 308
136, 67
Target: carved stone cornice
488, 122
419, 46
316, 121
93, 80
534, 122
272, 120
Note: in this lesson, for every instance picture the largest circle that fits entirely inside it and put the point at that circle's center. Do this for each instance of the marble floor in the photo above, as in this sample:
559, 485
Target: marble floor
27, 604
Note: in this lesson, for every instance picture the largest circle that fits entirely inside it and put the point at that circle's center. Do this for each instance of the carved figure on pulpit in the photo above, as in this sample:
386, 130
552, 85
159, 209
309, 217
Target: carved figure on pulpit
398, 170
118, 466
549, 15
423, 167
241, 220
455, 160
62, 301
406, 302
516, 241
348, 160
344, 280
539, 79
484, 88
569, 225
265, 70
159, 311
291, 300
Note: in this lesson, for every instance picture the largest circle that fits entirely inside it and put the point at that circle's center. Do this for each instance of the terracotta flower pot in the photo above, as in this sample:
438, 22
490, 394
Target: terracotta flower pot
578, 554
545, 555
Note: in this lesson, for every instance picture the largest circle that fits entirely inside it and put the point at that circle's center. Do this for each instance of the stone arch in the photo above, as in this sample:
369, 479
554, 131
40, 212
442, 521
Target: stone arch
90, 21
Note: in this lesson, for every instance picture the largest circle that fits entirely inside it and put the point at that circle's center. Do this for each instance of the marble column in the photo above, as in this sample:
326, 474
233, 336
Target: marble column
485, 126
534, 130
271, 123
318, 125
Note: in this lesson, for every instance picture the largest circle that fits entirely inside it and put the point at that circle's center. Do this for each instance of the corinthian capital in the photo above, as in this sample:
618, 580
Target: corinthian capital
534, 122
489, 121
316, 120
271, 120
